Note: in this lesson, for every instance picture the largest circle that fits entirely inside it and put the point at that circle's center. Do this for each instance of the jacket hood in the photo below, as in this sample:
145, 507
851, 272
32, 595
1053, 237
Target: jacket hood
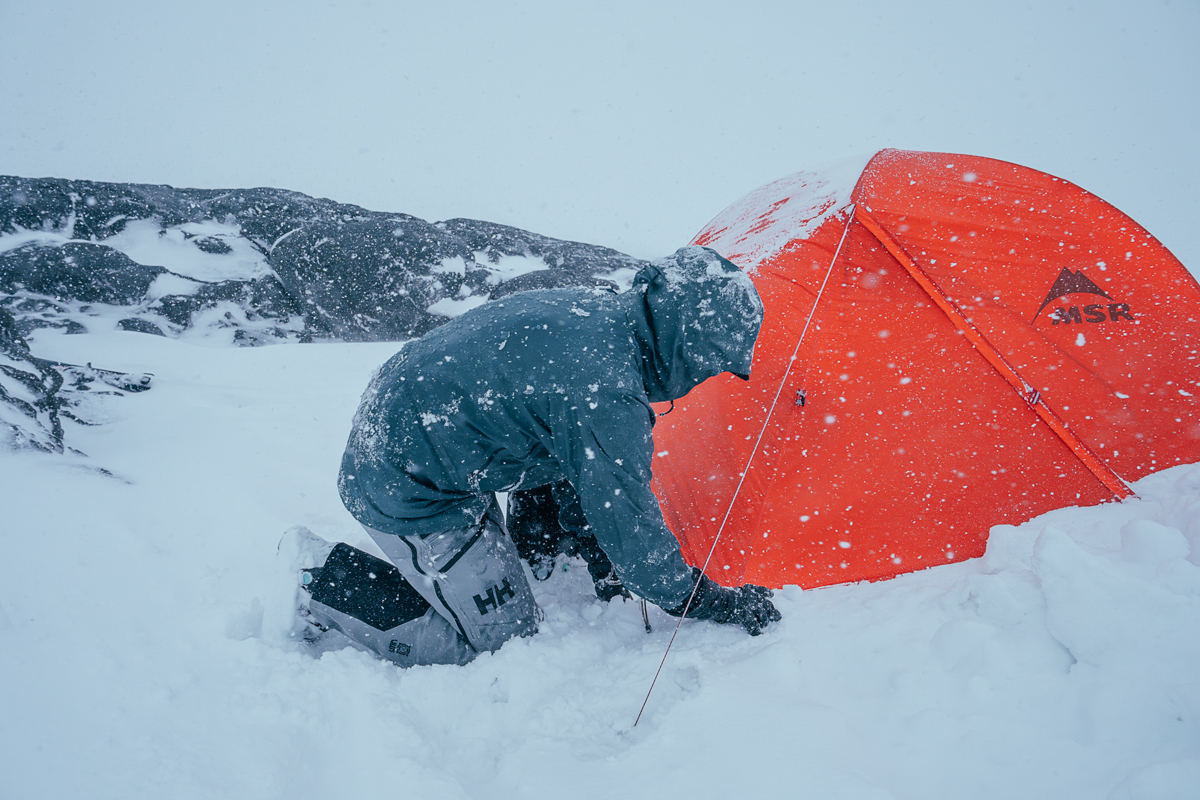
695, 315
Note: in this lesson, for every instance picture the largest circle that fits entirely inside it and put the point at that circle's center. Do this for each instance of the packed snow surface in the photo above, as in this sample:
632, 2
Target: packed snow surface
145, 648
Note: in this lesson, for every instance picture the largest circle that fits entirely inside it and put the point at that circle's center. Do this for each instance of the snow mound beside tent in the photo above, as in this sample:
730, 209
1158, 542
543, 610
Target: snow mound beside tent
142, 635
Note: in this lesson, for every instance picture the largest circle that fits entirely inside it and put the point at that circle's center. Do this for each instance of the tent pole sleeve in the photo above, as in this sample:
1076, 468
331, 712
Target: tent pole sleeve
1102, 471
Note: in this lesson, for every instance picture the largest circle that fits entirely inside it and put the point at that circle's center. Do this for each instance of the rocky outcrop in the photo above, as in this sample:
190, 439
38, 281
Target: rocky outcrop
260, 264
239, 267
28, 394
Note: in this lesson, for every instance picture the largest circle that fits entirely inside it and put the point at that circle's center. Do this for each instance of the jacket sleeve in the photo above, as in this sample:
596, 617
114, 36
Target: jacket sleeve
604, 445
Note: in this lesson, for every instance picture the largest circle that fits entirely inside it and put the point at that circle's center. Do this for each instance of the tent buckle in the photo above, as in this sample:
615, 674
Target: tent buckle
800, 397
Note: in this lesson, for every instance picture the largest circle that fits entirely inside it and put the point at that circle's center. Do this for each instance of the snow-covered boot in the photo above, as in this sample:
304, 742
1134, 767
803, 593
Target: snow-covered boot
371, 603
300, 549
303, 548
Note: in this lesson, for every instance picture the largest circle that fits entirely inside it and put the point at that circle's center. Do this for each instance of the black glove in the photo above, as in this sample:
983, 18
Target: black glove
604, 575
749, 606
548, 521
532, 522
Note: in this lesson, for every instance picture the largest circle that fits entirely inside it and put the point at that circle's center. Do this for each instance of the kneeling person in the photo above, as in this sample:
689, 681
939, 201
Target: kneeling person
537, 389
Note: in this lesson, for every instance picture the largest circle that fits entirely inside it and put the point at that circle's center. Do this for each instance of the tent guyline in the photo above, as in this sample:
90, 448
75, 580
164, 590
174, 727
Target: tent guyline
766, 422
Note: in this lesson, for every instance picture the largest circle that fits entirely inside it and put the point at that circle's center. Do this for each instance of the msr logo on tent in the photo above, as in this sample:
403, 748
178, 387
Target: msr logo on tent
1077, 283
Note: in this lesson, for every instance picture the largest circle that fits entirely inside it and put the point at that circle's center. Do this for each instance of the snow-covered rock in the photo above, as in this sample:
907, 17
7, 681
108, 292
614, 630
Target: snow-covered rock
28, 406
251, 266
242, 267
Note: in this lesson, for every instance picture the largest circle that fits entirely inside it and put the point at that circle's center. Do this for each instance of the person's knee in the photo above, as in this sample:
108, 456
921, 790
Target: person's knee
370, 602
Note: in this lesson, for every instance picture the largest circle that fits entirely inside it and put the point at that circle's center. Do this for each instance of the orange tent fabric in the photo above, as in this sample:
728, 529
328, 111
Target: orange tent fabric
991, 343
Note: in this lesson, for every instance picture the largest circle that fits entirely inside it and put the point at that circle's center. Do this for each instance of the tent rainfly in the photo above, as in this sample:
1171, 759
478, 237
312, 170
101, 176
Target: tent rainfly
951, 342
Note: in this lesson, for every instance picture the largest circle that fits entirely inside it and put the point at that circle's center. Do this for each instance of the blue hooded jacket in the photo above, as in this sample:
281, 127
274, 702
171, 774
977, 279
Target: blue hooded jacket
545, 385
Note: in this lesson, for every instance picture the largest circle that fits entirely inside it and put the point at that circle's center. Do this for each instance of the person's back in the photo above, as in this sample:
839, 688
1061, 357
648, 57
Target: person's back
496, 387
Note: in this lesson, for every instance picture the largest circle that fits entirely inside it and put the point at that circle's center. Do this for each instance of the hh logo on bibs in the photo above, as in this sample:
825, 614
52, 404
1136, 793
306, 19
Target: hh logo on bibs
495, 597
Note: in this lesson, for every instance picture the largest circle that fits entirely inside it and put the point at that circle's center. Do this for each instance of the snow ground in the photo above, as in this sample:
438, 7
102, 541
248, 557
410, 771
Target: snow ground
143, 645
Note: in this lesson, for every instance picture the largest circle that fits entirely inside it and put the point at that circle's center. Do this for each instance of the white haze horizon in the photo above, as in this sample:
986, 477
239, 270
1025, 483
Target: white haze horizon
627, 125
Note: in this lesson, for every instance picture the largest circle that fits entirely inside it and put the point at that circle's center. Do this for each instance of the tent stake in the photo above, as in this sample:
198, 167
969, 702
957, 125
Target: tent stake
787, 372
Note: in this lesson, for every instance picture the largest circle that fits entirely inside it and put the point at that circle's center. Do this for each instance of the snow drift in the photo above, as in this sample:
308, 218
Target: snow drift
144, 647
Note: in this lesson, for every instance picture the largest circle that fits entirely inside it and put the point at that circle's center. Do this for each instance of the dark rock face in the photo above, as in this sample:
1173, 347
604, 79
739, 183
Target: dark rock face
324, 269
242, 267
91, 273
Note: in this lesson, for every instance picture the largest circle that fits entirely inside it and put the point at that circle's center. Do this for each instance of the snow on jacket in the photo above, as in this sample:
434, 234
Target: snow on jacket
546, 385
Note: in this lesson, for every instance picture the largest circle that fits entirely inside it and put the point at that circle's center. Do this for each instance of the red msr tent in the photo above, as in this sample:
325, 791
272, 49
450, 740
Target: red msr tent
974, 342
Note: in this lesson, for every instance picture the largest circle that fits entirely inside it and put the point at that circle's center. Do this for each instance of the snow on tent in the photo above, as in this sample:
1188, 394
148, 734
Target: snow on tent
988, 343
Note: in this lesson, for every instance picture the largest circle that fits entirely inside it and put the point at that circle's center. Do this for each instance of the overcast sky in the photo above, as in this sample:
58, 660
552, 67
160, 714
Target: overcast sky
623, 124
